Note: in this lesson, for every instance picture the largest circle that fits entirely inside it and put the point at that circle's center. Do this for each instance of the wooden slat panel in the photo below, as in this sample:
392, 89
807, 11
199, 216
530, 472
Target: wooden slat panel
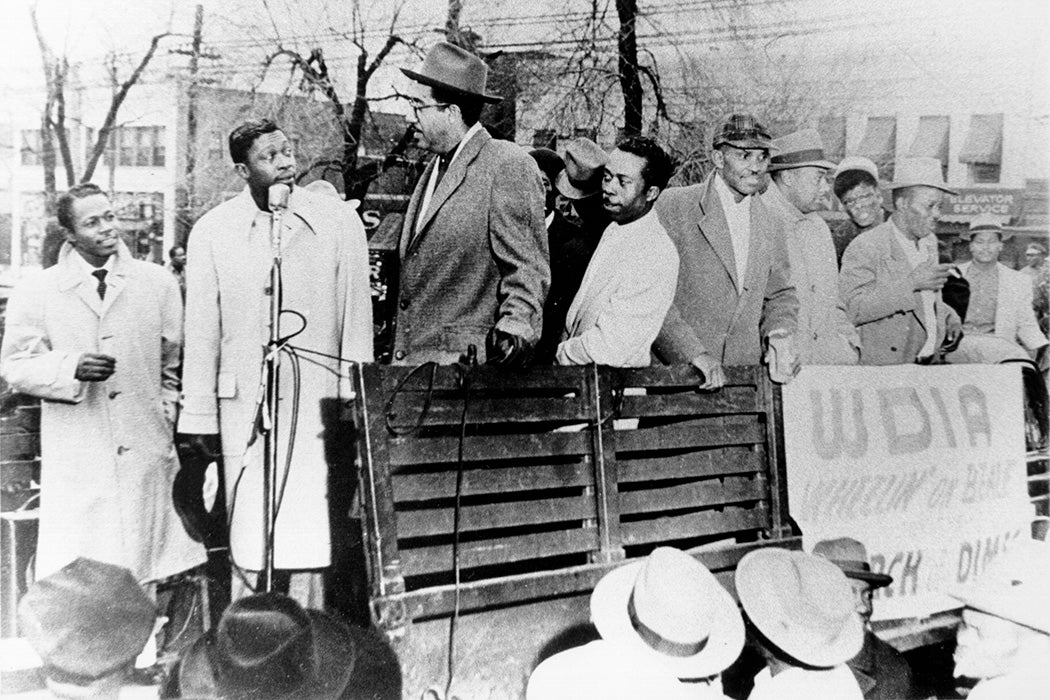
421, 487
698, 524
20, 445
697, 494
685, 376
728, 400
505, 550
486, 379
438, 521
670, 437
728, 460
448, 410
410, 450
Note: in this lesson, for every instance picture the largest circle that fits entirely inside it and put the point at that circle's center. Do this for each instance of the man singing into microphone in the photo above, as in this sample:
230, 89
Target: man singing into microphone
326, 306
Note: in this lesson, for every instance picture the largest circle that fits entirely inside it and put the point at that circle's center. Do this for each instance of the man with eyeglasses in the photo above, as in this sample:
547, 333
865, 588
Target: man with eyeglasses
856, 185
735, 303
474, 261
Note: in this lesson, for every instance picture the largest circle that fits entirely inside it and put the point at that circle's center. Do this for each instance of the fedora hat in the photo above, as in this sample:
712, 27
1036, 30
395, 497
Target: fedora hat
851, 556
602, 670
985, 222
742, 131
920, 171
582, 176
800, 149
549, 162
449, 67
671, 609
1014, 586
87, 620
801, 603
268, 646
864, 165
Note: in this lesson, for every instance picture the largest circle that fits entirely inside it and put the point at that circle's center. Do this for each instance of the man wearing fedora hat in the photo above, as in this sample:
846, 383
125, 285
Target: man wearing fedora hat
891, 281
474, 260
801, 617
735, 303
673, 616
825, 336
1000, 321
1004, 638
881, 671
856, 185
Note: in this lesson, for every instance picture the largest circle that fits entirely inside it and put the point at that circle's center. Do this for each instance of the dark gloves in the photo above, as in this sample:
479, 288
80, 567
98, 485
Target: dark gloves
507, 350
195, 452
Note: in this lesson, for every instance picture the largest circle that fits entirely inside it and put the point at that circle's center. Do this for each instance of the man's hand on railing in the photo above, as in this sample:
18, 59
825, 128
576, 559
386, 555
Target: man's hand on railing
507, 350
713, 376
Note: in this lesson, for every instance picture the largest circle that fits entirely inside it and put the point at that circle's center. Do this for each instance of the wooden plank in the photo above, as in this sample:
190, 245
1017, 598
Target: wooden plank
727, 460
698, 524
438, 521
492, 479
548, 379
685, 376
20, 445
505, 550
406, 410
743, 399
696, 494
688, 434
441, 450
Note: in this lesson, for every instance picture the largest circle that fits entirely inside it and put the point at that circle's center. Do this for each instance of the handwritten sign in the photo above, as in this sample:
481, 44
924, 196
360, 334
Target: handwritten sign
924, 465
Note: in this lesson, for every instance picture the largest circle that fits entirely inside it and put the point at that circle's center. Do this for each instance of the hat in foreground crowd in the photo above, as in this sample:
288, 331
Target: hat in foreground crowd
87, 622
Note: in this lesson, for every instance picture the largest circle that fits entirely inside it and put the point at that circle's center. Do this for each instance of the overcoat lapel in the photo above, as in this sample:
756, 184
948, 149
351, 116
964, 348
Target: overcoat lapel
408, 228
72, 281
901, 262
715, 228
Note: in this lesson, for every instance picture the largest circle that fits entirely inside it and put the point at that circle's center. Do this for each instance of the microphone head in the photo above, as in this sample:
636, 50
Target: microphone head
277, 197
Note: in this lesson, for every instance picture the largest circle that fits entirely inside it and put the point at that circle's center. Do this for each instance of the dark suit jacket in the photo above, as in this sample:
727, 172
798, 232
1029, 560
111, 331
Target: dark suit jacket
479, 259
882, 672
708, 312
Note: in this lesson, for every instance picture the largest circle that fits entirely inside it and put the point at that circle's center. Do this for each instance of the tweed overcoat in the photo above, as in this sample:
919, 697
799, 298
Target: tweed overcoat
479, 258
325, 279
108, 458
874, 283
708, 312
1014, 316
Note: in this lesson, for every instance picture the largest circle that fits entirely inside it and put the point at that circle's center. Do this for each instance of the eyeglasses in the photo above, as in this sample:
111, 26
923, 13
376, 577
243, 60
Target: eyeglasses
860, 199
418, 106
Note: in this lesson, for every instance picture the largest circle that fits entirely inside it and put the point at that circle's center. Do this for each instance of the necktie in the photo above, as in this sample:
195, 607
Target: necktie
101, 275
442, 166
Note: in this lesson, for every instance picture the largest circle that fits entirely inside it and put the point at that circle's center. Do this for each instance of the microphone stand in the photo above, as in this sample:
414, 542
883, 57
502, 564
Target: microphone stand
278, 202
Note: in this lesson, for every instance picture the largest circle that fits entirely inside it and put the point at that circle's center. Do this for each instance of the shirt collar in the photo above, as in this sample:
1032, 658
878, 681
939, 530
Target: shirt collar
463, 141
87, 269
726, 195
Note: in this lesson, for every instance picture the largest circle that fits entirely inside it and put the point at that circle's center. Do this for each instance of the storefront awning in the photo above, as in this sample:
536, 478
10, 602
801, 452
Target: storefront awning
880, 140
832, 132
931, 141
984, 141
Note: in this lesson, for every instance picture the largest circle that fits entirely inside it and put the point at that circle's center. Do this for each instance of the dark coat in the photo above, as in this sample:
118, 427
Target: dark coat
882, 672
479, 259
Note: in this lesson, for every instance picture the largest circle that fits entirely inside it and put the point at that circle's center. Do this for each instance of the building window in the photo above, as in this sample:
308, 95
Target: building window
32, 147
984, 173
140, 146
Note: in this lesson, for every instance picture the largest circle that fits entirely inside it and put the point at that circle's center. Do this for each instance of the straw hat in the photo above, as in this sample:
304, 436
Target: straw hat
916, 171
671, 609
801, 149
851, 556
986, 222
449, 67
1014, 586
801, 603
582, 176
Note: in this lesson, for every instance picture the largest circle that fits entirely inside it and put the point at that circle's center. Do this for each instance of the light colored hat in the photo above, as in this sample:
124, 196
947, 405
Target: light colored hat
858, 163
449, 67
851, 556
672, 610
916, 171
602, 670
1014, 586
324, 187
801, 603
801, 149
986, 222
582, 176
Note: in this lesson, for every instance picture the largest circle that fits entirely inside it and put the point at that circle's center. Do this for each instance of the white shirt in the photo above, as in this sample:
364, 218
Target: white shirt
88, 269
432, 182
626, 291
835, 683
919, 252
738, 217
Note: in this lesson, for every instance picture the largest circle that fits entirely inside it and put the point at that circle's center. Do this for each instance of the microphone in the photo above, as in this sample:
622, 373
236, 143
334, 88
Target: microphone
277, 197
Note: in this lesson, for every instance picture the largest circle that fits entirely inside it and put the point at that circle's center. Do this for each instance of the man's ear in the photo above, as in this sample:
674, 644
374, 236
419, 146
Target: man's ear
718, 159
651, 193
242, 170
